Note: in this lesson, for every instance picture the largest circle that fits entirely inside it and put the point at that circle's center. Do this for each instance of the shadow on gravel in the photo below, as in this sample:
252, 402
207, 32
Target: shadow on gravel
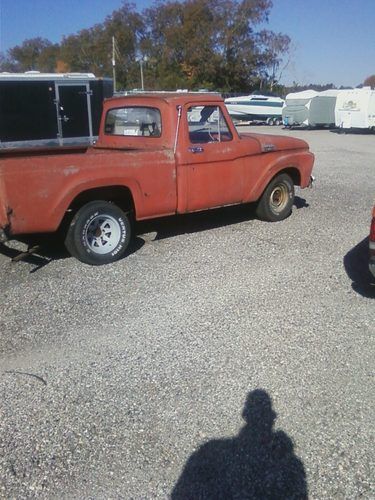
259, 463
167, 227
175, 225
352, 131
48, 248
300, 202
356, 267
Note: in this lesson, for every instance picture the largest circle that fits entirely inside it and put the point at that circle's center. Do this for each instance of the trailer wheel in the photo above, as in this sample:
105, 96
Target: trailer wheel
277, 121
99, 233
277, 199
269, 121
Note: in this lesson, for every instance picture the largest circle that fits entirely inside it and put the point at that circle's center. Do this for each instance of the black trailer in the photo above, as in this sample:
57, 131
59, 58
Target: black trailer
39, 109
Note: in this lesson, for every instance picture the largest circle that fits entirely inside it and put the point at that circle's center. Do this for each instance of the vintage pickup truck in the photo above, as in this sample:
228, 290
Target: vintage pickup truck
157, 154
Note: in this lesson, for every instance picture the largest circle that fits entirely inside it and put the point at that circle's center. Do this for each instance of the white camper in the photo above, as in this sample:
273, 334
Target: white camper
355, 108
296, 109
322, 109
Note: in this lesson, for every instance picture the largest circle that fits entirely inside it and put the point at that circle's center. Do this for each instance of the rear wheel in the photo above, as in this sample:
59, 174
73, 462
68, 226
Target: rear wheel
99, 233
277, 200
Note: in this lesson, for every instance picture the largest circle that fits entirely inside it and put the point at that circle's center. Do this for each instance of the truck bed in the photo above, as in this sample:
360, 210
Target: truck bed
42, 151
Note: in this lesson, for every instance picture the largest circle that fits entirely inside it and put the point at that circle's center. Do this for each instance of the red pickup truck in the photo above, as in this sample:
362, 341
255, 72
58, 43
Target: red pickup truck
156, 155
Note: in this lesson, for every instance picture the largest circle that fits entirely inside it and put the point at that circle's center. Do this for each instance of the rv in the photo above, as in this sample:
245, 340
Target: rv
48, 109
322, 109
296, 109
355, 108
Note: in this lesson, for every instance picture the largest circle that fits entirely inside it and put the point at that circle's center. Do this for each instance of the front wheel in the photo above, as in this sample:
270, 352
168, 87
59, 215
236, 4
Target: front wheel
99, 233
277, 200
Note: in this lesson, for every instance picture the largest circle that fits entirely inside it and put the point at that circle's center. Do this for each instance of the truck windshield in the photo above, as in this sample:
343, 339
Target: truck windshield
133, 121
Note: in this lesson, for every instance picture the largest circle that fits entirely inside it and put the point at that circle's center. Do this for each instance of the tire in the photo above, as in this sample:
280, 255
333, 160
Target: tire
269, 121
99, 233
277, 122
277, 200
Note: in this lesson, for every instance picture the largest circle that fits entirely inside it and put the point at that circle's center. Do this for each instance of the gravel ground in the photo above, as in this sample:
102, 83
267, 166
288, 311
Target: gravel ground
223, 358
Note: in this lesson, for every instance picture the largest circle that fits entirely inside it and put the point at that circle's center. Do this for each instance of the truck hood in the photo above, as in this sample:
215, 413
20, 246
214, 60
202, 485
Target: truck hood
270, 143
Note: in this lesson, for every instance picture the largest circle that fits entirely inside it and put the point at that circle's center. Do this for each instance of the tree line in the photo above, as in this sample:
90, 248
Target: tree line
212, 44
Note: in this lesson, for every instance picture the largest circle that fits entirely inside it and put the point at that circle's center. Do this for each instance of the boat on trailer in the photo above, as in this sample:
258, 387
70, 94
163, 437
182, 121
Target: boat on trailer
256, 108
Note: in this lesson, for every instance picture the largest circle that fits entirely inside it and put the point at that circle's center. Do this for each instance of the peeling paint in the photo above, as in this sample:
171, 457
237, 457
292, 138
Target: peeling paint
269, 147
70, 170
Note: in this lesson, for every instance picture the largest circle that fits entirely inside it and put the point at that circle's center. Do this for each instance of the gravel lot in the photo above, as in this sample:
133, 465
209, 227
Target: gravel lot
136, 380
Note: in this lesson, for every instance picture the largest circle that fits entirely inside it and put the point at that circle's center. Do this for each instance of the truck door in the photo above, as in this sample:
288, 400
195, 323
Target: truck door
74, 113
212, 165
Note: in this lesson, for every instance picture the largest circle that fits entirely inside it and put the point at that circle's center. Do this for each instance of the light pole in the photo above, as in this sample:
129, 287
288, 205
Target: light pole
141, 61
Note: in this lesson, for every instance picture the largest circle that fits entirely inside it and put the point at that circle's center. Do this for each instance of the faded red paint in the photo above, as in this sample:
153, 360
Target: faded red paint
38, 187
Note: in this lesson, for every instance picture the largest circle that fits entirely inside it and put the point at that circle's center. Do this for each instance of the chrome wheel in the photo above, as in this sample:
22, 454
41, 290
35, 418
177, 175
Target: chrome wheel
103, 234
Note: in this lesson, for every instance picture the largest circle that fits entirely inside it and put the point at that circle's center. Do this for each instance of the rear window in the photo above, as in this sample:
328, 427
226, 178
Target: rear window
133, 121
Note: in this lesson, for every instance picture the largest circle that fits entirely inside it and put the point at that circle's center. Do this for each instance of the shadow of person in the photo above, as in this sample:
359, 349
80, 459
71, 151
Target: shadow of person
259, 463
356, 267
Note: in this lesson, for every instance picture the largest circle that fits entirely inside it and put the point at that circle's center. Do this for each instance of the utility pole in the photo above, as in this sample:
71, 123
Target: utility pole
142, 83
142, 60
114, 63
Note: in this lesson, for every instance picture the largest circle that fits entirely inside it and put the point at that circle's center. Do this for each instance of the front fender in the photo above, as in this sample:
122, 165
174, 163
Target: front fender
298, 162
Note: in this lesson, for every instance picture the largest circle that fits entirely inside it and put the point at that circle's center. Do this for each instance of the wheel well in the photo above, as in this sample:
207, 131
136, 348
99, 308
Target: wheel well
293, 173
119, 195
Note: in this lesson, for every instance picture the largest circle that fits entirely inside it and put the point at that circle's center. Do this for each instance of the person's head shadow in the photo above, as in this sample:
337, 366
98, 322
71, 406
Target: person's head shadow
258, 463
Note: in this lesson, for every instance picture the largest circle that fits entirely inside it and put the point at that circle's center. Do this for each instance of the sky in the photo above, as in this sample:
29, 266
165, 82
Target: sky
332, 40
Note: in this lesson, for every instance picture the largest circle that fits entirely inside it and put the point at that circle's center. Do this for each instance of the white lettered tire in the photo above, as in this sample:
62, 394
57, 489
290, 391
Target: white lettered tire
99, 233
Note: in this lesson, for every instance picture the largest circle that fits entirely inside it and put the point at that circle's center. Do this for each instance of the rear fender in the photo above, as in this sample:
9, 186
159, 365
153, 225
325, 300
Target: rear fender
66, 200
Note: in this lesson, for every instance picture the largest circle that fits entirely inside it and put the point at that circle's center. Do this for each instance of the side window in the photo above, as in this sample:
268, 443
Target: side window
207, 124
133, 121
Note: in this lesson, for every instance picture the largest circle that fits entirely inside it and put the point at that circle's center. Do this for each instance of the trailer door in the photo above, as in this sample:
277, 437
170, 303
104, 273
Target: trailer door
74, 112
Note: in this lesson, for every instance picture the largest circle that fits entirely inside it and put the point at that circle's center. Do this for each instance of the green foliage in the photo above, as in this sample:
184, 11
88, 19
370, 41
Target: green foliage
34, 54
189, 44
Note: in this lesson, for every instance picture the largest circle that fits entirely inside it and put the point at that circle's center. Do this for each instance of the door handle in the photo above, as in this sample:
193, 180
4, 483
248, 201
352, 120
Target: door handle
196, 149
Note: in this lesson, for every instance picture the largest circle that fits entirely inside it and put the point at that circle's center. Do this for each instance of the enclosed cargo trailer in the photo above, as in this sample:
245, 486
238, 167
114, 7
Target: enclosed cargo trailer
48, 109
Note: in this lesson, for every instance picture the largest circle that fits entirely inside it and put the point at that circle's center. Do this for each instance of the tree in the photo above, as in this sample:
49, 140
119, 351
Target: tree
205, 42
183, 44
369, 82
274, 55
90, 50
7, 65
34, 54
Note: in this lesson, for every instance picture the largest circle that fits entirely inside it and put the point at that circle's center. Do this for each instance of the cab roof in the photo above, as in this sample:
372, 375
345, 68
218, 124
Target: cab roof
168, 97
